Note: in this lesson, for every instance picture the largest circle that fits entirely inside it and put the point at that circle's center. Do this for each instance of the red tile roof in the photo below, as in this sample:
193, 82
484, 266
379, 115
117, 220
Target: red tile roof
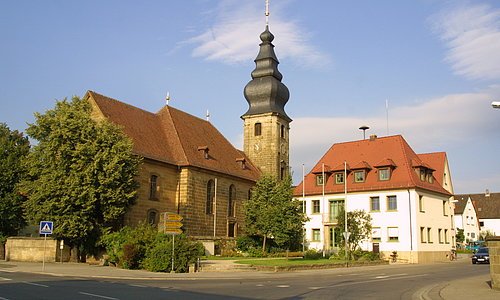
391, 151
174, 137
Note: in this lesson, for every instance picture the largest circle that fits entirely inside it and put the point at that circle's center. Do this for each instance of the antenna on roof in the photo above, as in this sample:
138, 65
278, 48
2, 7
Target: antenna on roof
208, 116
167, 98
387, 114
267, 12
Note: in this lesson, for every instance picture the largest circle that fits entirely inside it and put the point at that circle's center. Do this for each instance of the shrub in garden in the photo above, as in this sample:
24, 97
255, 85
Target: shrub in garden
158, 258
313, 254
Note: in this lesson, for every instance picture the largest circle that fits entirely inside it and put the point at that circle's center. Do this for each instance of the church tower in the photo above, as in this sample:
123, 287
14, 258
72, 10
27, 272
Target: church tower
266, 125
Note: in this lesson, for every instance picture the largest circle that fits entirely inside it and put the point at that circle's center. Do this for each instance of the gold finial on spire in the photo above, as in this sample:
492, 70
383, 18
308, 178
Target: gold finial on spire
167, 98
267, 12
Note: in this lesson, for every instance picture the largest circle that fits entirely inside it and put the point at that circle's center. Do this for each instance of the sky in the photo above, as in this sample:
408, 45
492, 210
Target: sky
425, 69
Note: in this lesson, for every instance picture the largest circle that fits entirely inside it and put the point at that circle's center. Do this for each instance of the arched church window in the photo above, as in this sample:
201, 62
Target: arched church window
210, 197
231, 201
153, 187
152, 217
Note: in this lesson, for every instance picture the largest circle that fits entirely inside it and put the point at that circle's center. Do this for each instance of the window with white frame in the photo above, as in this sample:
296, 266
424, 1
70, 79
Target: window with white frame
392, 234
440, 235
319, 179
392, 203
446, 236
384, 174
339, 178
421, 203
375, 203
316, 235
315, 207
422, 235
429, 235
359, 176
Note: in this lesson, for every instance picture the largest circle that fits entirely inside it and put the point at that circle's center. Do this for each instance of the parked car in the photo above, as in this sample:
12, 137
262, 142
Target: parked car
481, 256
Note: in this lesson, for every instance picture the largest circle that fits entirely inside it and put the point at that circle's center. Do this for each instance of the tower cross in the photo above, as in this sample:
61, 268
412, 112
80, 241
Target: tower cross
267, 12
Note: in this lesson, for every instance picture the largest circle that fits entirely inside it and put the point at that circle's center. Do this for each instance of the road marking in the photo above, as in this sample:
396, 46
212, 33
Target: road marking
5, 279
375, 280
380, 277
36, 284
138, 285
283, 286
259, 284
2, 298
98, 296
315, 287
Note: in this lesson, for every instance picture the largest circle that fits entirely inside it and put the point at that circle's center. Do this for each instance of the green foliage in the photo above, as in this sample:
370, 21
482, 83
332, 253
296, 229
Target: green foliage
81, 173
460, 236
313, 254
272, 212
145, 247
246, 242
359, 226
159, 256
13, 148
132, 239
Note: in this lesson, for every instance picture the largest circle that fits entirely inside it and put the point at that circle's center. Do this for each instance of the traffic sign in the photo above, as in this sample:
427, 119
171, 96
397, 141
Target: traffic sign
173, 224
173, 217
46, 227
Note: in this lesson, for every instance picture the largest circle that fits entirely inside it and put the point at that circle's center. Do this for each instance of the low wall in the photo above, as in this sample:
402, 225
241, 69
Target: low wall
494, 250
32, 249
418, 257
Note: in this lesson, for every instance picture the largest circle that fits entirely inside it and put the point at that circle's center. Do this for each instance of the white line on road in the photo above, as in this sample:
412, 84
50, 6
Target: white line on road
5, 279
36, 284
2, 298
98, 296
375, 280
380, 277
283, 286
138, 285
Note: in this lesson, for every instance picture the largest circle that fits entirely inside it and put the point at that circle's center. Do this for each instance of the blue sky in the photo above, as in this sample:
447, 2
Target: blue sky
437, 63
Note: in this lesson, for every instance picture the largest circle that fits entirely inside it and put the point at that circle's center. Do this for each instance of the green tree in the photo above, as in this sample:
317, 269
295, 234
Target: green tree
13, 147
460, 236
359, 227
272, 212
81, 173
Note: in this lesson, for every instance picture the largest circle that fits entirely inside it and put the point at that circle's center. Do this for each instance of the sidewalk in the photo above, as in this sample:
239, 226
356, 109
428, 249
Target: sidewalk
476, 287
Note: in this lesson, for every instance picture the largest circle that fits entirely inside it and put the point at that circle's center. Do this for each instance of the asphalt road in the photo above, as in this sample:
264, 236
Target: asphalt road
378, 282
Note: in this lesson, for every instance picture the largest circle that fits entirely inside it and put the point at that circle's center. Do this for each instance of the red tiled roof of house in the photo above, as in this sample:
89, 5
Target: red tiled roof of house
391, 151
487, 204
175, 137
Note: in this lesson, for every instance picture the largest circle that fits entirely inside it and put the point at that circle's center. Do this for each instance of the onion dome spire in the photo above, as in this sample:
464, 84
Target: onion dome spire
265, 93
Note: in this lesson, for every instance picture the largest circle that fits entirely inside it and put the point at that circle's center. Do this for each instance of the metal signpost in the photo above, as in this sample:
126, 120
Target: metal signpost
172, 225
46, 227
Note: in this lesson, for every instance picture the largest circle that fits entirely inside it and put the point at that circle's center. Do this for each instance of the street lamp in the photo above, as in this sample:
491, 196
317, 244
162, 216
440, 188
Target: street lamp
495, 104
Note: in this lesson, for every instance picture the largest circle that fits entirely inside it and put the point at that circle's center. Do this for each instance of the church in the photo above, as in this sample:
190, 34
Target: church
189, 168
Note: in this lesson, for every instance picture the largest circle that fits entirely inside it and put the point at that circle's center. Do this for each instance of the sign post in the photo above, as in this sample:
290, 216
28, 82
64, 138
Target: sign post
46, 227
172, 225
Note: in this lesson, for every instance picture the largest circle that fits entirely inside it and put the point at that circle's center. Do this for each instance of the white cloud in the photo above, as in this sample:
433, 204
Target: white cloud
440, 124
234, 36
472, 36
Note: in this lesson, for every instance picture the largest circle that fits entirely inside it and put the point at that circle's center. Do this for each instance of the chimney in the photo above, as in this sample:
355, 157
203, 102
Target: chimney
373, 137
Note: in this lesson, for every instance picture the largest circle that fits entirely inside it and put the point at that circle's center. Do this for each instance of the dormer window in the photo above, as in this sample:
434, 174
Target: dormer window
422, 174
384, 174
339, 178
359, 176
319, 179
205, 151
242, 162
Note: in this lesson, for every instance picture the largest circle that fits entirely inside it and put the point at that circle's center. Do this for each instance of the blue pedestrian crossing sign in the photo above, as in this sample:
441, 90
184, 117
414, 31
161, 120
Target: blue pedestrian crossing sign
46, 227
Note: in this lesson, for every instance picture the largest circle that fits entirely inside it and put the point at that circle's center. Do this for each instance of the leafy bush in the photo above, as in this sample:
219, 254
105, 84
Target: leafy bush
313, 254
246, 242
159, 256
140, 238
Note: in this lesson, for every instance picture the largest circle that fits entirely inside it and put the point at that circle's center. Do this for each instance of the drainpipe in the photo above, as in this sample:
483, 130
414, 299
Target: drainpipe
411, 231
